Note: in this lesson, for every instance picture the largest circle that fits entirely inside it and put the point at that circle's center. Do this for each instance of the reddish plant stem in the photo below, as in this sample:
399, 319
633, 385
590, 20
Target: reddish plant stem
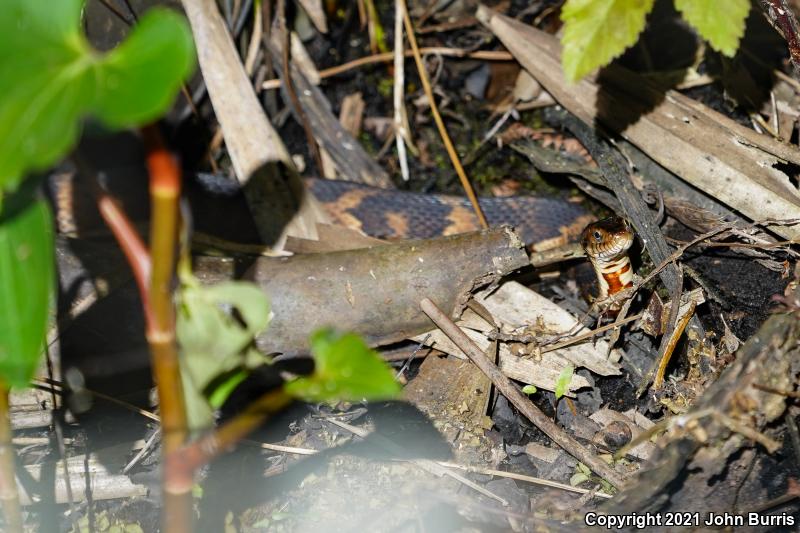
130, 242
9, 497
165, 187
784, 20
181, 464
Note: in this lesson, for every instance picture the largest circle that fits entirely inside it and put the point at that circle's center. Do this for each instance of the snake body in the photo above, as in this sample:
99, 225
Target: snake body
218, 204
540, 221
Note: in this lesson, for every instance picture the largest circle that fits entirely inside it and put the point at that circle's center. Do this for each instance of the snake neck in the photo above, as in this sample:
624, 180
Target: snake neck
613, 275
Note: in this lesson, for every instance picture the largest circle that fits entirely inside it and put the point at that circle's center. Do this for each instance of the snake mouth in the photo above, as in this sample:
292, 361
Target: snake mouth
607, 239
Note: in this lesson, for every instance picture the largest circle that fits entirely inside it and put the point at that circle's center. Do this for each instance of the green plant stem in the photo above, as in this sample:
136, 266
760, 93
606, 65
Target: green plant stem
165, 188
8, 485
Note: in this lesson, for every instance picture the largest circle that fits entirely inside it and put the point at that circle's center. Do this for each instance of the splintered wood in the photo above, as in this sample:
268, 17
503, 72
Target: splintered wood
515, 307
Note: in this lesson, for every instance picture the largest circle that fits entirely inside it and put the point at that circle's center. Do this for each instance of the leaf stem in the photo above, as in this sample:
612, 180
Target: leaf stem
9, 496
181, 464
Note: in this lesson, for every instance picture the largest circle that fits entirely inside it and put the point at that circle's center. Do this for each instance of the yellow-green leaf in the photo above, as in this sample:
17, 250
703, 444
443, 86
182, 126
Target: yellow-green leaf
50, 79
597, 31
345, 369
719, 23
216, 343
563, 381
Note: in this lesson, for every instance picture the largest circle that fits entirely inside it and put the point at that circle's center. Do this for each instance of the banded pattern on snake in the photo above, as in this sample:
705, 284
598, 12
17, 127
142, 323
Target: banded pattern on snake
542, 222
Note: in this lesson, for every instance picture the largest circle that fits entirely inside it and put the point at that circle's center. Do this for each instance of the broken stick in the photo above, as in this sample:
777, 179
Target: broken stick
517, 398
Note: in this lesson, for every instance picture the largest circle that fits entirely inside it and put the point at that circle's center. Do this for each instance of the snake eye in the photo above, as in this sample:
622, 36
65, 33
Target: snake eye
597, 236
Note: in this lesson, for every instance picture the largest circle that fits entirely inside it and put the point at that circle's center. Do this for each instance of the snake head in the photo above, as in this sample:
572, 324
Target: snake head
607, 239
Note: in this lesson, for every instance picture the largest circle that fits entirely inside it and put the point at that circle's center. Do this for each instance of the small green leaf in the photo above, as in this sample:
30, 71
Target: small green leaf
216, 345
563, 381
26, 282
529, 389
721, 26
224, 389
50, 78
345, 369
597, 31
577, 479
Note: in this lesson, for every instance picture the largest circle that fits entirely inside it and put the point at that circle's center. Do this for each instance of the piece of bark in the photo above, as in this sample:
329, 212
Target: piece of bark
277, 199
516, 306
313, 9
352, 161
331, 239
543, 374
455, 395
710, 151
371, 291
351, 113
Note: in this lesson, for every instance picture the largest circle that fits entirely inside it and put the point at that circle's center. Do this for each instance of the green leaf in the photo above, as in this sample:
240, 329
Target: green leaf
577, 479
597, 31
722, 27
563, 381
216, 347
529, 389
345, 369
50, 79
26, 282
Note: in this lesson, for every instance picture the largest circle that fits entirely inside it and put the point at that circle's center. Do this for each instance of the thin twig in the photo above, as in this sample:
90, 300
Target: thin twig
412, 356
526, 338
400, 131
57, 386
522, 477
59, 434
430, 466
448, 144
290, 90
516, 397
459, 53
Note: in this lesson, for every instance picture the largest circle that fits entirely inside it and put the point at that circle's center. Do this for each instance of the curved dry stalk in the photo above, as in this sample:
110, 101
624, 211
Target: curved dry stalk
448, 144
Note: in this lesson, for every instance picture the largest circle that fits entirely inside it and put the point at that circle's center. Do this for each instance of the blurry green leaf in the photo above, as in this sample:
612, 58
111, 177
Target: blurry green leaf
608, 488
722, 26
50, 78
221, 391
597, 31
529, 389
26, 282
577, 479
563, 381
345, 369
216, 328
